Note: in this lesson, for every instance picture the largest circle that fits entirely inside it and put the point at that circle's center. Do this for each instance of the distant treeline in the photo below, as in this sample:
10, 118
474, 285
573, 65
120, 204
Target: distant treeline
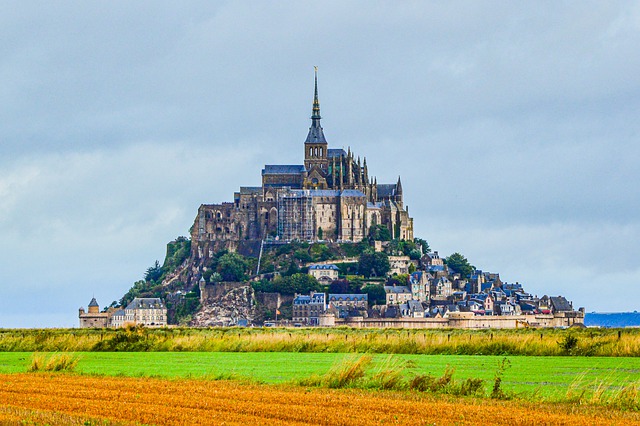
544, 342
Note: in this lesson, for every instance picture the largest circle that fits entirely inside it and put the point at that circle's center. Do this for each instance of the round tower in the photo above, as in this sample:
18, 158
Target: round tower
94, 308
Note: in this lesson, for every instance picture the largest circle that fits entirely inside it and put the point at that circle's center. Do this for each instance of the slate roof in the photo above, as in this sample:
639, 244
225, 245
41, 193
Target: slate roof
315, 267
283, 169
146, 303
396, 289
251, 190
324, 192
415, 305
560, 304
349, 297
352, 193
93, 302
386, 190
336, 152
316, 135
302, 299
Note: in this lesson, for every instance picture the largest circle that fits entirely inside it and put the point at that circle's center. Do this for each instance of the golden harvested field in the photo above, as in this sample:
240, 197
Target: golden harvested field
73, 399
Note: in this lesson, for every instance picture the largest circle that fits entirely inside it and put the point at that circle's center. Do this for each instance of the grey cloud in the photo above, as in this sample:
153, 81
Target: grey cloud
514, 127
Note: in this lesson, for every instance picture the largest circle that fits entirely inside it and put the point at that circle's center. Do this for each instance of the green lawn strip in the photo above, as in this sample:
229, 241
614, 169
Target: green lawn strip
547, 377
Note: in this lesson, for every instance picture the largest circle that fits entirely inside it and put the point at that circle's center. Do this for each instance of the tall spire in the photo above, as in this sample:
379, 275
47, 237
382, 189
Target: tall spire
316, 103
316, 135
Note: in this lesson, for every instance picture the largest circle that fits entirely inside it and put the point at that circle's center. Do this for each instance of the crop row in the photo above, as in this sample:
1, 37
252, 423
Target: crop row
174, 402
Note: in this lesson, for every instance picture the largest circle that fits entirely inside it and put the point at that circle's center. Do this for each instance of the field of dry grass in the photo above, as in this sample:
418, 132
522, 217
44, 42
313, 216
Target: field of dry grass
529, 342
45, 398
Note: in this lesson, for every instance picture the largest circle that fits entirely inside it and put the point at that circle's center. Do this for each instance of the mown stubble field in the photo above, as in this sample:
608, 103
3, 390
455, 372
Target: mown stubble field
68, 398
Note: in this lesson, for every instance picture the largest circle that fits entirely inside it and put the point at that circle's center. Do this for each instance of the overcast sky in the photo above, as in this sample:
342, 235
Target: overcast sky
514, 125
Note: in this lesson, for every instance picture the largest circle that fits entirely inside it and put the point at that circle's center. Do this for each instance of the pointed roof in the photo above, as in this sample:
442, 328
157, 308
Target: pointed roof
316, 135
399, 187
93, 302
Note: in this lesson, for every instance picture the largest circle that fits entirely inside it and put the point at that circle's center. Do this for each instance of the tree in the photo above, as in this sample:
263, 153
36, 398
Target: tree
460, 264
423, 243
153, 273
376, 294
296, 283
339, 287
379, 233
320, 233
373, 263
232, 267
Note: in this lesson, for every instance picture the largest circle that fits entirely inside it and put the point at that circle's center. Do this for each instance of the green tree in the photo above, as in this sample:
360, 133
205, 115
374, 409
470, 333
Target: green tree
423, 243
154, 273
320, 233
302, 255
460, 264
339, 287
376, 294
373, 264
232, 267
296, 283
379, 233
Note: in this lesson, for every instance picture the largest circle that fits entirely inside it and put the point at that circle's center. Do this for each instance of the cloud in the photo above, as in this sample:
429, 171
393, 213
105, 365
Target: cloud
514, 128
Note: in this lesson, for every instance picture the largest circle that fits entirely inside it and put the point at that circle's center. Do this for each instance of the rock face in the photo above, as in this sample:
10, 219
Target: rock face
226, 307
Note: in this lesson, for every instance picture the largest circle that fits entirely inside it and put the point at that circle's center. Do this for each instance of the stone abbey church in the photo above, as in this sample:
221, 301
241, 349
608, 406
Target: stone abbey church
329, 197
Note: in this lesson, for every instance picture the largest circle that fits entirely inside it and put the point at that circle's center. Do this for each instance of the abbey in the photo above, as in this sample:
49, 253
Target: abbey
330, 197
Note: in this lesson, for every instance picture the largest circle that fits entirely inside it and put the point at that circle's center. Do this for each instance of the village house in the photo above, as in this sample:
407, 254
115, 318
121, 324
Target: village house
441, 288
354, 301
397, 294
308, 309
399, 265
324, 273
146, 311
419, 283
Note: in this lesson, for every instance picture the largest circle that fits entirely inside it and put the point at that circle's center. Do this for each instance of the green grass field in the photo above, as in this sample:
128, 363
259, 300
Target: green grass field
551, 378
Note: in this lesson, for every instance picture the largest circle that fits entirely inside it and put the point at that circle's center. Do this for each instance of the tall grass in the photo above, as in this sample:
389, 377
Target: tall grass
53, 362
547, 342
391, 374
624, 396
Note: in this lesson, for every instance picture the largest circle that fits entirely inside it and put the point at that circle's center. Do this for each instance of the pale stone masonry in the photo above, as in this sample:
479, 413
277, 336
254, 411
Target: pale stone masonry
329, 197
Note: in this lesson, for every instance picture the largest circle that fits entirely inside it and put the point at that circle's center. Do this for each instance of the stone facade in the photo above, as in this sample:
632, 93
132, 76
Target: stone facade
324, 273
149, 312
329, 197
93, 318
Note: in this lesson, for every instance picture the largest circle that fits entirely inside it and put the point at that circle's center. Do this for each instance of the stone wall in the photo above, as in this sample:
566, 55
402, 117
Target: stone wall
562, 319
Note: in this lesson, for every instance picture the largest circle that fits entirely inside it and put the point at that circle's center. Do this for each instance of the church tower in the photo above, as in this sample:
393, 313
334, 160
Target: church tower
315, 147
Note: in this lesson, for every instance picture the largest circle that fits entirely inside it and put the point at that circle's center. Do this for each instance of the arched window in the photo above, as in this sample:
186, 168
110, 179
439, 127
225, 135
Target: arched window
320, 152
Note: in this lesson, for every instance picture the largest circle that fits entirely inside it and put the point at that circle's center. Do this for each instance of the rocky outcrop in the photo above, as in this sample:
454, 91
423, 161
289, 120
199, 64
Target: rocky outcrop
227, 308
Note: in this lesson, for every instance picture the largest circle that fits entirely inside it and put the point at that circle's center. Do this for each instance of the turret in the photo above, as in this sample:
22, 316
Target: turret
94, 308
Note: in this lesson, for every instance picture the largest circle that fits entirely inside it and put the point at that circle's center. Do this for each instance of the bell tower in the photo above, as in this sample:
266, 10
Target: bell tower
315, 146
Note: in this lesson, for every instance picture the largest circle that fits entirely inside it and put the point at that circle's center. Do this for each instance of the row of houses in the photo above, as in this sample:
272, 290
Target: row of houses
435, 291
147, 311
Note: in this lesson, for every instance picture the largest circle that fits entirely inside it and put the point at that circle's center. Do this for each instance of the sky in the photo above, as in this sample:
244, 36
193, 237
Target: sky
514, 126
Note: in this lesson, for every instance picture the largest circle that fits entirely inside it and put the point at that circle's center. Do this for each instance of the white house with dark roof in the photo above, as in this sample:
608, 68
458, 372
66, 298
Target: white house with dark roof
324, 273
147, 311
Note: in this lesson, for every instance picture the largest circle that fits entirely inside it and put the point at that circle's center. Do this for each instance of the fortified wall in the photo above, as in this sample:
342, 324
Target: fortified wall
469, 321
